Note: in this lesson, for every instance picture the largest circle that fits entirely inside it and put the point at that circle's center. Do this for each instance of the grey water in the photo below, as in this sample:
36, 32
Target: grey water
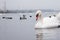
16, 29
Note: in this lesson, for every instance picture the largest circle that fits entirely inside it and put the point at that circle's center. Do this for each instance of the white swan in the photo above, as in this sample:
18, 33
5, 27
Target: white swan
47, 22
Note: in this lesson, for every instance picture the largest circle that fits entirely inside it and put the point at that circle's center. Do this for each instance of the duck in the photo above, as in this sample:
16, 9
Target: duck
47, 22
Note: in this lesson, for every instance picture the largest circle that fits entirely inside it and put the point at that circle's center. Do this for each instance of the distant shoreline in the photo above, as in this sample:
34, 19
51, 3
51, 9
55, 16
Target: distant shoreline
27, 11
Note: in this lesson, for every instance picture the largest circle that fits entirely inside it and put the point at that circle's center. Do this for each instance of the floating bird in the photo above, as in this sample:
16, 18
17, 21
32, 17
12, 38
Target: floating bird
47, 22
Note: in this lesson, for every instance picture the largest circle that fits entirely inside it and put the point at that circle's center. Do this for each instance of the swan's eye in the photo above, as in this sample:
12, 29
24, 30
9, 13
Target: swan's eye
36, 15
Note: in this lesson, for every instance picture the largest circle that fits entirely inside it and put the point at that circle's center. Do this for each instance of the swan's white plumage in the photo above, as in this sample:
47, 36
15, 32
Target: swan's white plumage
58, 16
47, 22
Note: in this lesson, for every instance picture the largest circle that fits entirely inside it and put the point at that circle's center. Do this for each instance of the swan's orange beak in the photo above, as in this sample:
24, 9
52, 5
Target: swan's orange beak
36, 17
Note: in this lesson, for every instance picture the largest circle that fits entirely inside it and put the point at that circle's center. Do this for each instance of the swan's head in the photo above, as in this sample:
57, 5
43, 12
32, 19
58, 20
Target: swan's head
38, 15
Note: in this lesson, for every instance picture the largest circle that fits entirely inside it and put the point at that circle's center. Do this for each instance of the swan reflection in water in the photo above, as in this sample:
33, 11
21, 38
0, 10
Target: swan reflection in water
47, 34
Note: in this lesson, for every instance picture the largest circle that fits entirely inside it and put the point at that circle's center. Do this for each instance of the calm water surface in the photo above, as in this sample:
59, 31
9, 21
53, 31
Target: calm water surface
11, 29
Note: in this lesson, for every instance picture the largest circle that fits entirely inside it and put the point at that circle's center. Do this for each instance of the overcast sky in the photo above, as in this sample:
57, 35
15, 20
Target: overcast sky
30, 4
